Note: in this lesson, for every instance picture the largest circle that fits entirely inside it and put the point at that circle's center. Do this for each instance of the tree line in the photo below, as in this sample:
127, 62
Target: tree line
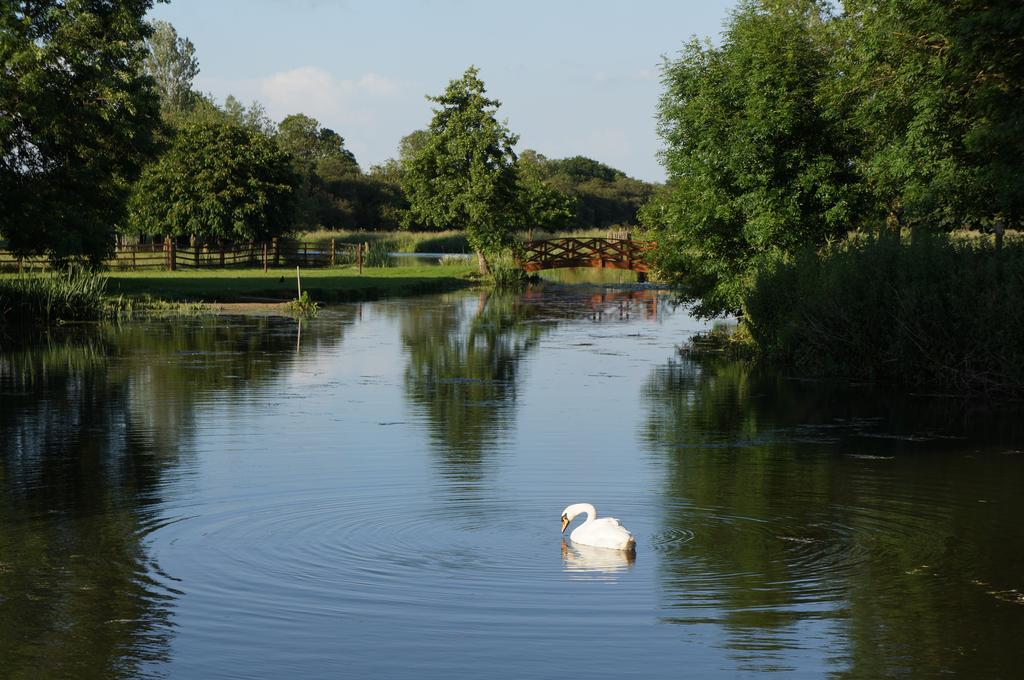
810, 120
103, 132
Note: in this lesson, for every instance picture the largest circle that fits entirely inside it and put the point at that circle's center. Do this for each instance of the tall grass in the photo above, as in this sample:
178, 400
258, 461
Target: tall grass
396, 241
72, 295
939, 312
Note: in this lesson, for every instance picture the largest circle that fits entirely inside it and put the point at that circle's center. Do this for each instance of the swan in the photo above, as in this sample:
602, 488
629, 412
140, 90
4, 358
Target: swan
600, 533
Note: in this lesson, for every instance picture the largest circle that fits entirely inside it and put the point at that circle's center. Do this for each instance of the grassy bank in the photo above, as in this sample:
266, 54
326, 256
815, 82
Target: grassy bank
939, 313
323, 285
27, 299
395, 241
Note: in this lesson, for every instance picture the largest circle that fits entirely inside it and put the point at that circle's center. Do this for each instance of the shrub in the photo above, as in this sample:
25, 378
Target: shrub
933, 312
72, 295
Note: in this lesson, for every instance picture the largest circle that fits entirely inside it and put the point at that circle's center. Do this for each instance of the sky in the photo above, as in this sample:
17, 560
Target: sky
575, 77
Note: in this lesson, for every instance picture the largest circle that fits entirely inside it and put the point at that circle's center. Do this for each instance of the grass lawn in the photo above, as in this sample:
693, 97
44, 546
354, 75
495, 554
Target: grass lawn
323, 285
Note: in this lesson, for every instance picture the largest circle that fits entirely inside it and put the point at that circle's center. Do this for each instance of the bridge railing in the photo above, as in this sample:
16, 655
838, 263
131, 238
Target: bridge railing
608, 253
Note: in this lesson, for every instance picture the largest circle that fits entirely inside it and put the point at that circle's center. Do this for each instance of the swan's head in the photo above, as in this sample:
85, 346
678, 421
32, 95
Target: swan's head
570, 513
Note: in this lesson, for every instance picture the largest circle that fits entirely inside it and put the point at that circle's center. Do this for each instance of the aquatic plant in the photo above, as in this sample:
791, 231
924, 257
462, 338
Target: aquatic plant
70, 295
304, 307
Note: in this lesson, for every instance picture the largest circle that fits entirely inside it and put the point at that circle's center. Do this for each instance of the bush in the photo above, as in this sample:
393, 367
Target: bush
934, 312
73, 295
506, 272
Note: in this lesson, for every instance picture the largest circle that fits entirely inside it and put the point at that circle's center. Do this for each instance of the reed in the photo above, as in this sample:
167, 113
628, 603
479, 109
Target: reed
72, 295
940, 312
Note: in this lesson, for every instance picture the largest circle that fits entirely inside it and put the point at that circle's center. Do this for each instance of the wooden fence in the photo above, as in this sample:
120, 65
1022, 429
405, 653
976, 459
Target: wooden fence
170, 257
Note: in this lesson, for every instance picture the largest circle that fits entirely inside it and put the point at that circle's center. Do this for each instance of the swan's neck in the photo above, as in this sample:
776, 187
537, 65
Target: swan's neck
587, 508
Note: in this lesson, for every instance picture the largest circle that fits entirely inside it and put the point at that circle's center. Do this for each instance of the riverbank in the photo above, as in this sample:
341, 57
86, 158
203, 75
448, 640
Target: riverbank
32, 300
243, 286
939, 313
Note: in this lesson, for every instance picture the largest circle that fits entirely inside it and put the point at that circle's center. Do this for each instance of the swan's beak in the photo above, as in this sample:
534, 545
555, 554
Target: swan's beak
565, 523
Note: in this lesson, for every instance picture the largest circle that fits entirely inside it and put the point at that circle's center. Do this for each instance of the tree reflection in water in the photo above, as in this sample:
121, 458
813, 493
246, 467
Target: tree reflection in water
464, 361
91, 429
843, 520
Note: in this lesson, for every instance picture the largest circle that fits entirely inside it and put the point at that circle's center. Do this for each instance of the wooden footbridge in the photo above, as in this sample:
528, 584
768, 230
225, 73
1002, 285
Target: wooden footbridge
604, 253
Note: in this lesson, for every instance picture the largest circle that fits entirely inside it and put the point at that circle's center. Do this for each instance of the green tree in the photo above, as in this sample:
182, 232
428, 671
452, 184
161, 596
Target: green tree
253, 116
464, 177
316, 149
934, 90
542, 206
171, 63
600, 196
77, 117
411, 144
218, 180
757, 166
327, 170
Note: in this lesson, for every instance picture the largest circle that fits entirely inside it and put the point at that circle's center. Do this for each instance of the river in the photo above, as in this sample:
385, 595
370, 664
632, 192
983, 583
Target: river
377, 492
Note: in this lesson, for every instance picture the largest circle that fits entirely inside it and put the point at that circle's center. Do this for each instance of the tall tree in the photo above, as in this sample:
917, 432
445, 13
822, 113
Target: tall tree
757, 166
326, 168
253, 116
464, 177
77, 117
315, 148
542, 206
935, 89
218, 180
172, 64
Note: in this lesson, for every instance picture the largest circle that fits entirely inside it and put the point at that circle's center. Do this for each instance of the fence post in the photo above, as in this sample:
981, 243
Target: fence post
334, 253
199, 252
222, 253
265, 264
174, 255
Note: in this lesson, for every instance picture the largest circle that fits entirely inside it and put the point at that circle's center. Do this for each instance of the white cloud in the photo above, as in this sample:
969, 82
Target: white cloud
316, 92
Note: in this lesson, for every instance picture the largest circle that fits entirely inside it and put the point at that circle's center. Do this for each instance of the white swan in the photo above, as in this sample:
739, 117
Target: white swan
600, 533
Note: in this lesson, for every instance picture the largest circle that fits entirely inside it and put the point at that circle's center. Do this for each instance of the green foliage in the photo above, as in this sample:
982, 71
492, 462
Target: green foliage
934, 90
757, 167
253, 116
76, 122
218, 180
314, 148
304, 307
506, 274
464, 176
171, 63
71, 295
933, 312
542, 206
597, 195
324, 166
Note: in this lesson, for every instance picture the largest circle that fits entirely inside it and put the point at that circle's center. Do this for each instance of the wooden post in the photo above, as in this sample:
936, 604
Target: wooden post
222, 253
174, 255
265, 263
298, 281
167, 253
134, 248
334, 253
199, 252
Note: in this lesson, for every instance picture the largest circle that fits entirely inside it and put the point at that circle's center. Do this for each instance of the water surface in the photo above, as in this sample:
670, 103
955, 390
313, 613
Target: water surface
377, 493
